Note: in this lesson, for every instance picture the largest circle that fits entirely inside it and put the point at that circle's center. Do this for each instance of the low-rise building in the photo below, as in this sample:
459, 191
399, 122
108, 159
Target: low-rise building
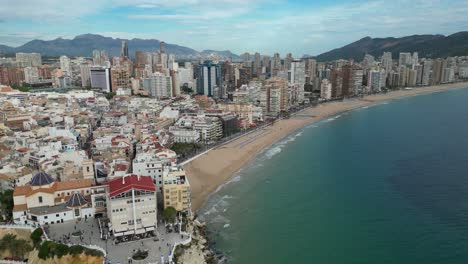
176, 190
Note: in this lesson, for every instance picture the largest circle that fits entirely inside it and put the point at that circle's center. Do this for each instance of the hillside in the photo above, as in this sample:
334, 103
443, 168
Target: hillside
83, 45
431, 46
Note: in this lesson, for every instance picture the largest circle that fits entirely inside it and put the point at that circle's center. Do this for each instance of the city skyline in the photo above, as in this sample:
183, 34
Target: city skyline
298, 27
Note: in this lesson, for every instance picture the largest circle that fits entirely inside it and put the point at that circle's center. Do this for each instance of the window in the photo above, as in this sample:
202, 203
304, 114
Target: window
87, 169
45, 217
57, 215
40, 199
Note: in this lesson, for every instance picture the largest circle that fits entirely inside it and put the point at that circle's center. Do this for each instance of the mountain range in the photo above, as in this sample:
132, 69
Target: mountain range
431, 46
83, 45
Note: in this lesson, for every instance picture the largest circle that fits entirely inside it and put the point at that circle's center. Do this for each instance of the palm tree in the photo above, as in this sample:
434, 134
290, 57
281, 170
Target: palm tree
7, 241
20, 247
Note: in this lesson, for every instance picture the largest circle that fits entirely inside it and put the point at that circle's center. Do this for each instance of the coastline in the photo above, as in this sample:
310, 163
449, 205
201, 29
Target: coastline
213, 169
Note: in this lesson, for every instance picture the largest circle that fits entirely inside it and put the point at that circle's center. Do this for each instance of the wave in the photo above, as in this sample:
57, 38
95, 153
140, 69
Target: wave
331, 119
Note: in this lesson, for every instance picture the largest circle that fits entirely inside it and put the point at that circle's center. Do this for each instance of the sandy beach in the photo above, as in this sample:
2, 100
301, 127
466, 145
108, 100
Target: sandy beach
209, 171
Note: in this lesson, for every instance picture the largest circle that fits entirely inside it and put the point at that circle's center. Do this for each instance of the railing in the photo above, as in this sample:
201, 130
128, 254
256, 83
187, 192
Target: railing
2, 261
14, 226
188, 241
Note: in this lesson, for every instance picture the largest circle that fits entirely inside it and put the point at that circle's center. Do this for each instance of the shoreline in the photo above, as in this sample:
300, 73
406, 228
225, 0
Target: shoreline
209, 172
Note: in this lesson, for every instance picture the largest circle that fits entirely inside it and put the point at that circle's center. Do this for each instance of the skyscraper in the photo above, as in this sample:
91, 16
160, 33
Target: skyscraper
162, 47
257, 64
387, 61
426, 72
287, 61
65, 65
101, 78
405, 59
124, 50
28, 59
298, 77
209, 78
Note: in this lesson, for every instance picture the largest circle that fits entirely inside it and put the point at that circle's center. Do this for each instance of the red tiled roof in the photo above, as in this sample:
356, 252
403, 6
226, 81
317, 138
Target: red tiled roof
118, 186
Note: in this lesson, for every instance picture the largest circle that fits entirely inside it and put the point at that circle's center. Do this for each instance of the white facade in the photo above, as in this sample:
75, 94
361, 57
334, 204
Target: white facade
325, 89
31, 75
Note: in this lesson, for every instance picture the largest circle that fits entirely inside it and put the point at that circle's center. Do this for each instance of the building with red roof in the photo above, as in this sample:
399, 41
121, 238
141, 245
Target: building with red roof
132, 206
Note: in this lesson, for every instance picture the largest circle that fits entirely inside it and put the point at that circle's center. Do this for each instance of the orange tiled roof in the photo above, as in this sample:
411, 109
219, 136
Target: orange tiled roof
20, 207
21, 190
75, 184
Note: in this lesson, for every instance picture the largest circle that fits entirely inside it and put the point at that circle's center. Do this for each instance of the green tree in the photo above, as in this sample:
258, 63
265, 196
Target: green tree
19, 247
6, 203
110, 95
62, 250
36, 237
6, 242
169, 214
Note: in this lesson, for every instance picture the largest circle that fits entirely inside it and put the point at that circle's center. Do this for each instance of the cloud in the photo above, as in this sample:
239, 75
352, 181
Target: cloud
238, 25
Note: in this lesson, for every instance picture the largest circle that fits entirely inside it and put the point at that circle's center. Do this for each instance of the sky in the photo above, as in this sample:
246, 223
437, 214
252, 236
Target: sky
267, 26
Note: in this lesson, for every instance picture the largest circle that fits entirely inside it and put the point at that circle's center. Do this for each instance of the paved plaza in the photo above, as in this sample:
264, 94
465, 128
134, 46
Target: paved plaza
122, 252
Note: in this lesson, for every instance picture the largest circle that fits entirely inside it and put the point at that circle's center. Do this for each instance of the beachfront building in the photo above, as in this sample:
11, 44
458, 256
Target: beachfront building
325, 89
209, 129
46, 201
131, 205
176, 189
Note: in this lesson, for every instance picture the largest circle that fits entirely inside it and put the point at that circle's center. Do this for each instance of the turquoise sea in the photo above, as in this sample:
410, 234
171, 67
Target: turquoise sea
383, 184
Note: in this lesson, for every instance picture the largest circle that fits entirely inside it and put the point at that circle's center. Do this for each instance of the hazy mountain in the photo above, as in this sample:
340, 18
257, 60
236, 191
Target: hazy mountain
431, 46
83, 45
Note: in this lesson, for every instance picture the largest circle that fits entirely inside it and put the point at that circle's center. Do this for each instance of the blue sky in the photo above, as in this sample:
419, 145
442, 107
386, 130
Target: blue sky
267, 26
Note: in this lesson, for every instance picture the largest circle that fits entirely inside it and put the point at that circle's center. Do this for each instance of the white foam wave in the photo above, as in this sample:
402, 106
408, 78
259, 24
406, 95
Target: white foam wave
226, 225
273, 151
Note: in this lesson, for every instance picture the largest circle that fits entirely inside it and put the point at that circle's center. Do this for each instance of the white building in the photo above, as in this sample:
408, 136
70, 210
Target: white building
132, 206
153, 164
326, 89
28, 59
158, 85
65, 65
45, 201
31, 75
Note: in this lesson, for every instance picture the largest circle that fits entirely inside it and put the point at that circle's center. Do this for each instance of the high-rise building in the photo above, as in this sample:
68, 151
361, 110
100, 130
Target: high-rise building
336, 78
266, 64
257, 64
158, 85
349, 87
438, 68
209, 78
31, 75
124, 50
298, 77
405, 59
28, 59
246, 60
376, 80
426, 72
162, 47
65, 65
412, 77
311, 70
101, 78
287, 61
368, 62
387, 61
326, 89
85, 73
275, 64
245, 75
120, 78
